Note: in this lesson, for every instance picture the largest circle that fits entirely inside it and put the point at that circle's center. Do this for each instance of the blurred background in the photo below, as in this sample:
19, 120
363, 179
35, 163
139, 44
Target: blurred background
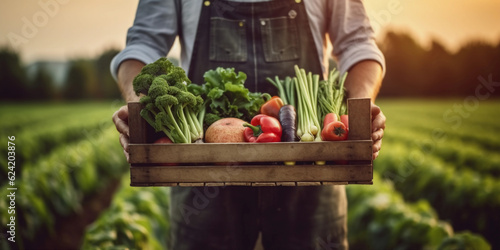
436, 182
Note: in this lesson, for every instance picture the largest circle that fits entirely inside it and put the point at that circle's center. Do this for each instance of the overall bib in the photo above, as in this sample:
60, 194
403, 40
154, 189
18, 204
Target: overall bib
263, 39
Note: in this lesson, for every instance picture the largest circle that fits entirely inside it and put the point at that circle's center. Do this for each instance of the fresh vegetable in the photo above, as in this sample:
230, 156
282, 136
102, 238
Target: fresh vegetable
286, 89
334, 131
332, 106
272, 107
307, 89
345, 120
263, 128
226, 96
163, 140
226, 130
329, 118
331, 96
168, 105
288, 120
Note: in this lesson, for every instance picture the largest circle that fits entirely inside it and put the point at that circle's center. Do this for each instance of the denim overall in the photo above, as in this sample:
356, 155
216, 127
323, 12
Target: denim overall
263, 39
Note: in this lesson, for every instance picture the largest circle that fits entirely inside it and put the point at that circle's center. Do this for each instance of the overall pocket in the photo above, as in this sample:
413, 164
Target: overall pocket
279, 39
227, 40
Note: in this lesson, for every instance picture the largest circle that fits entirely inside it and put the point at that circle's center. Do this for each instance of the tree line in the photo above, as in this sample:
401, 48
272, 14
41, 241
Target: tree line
83, 79
412, 71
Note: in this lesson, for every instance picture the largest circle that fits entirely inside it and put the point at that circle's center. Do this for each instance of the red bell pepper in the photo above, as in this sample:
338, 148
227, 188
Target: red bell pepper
272, 107
263, 128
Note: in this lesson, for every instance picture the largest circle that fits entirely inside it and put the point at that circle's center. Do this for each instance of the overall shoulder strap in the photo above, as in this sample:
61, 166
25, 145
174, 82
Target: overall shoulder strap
178, 11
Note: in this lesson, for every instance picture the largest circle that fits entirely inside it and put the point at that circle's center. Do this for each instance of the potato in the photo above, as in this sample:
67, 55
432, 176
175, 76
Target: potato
225, 130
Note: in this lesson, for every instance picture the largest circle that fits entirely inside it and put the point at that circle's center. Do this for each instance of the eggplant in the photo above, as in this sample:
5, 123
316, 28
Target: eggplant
288, 119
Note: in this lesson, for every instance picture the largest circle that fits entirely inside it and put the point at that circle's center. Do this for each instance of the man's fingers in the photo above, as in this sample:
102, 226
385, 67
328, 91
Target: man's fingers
377, 145
123, 113
378, 125
378, 135
378, 122
120, 118
124, 141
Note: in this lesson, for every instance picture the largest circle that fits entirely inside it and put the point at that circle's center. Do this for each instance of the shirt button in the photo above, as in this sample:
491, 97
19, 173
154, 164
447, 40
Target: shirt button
262, 22
292, 14
207, 3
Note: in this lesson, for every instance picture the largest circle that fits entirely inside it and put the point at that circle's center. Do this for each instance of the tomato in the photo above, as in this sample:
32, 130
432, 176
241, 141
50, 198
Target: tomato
345, 120
334, 131
329, 118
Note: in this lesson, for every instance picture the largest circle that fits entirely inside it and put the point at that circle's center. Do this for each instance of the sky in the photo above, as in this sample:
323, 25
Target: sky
66, 29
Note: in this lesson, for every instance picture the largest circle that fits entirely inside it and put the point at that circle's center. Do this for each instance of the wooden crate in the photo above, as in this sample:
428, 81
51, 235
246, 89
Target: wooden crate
253, 164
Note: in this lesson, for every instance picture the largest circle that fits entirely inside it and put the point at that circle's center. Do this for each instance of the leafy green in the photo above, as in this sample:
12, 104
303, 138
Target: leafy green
225, 95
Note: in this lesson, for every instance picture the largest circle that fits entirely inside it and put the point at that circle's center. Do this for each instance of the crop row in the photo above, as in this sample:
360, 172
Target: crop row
379, 218
17, 117
33, 142
56, 184
467, 199
474, 125
483, 134
451, 150
137, 219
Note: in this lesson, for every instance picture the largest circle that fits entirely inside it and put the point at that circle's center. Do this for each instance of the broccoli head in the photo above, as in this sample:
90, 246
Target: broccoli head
141, 83
168, 104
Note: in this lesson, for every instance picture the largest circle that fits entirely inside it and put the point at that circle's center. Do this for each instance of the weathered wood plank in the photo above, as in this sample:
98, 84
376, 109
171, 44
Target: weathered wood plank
250, 152
238, 183
251, 173
263, 184
335, 183
308, 183
286, 183
191, 184
137, 126
359, 118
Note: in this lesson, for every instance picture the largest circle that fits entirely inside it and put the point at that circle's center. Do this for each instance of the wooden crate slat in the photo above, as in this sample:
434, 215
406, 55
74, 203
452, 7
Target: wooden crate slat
253, 173
286, 183
263, 184
238, 184
137, 126
191, 184
335, 183
250, 152
359, 118
214, 184
308, 183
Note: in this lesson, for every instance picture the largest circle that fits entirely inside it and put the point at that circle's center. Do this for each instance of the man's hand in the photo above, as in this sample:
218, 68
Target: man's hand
120, 118
378, 126
364, 80
126, 72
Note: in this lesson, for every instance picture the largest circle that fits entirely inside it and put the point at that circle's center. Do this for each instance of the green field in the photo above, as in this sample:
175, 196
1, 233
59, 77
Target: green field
436, 181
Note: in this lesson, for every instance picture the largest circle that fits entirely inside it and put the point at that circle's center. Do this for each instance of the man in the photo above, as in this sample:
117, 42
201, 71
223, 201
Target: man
262, 39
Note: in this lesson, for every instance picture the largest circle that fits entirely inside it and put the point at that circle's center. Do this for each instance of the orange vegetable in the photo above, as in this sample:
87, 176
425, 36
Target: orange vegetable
272, 107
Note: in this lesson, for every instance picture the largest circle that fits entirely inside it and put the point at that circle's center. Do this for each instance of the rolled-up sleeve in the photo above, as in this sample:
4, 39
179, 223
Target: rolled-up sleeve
352, 36
152, 35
